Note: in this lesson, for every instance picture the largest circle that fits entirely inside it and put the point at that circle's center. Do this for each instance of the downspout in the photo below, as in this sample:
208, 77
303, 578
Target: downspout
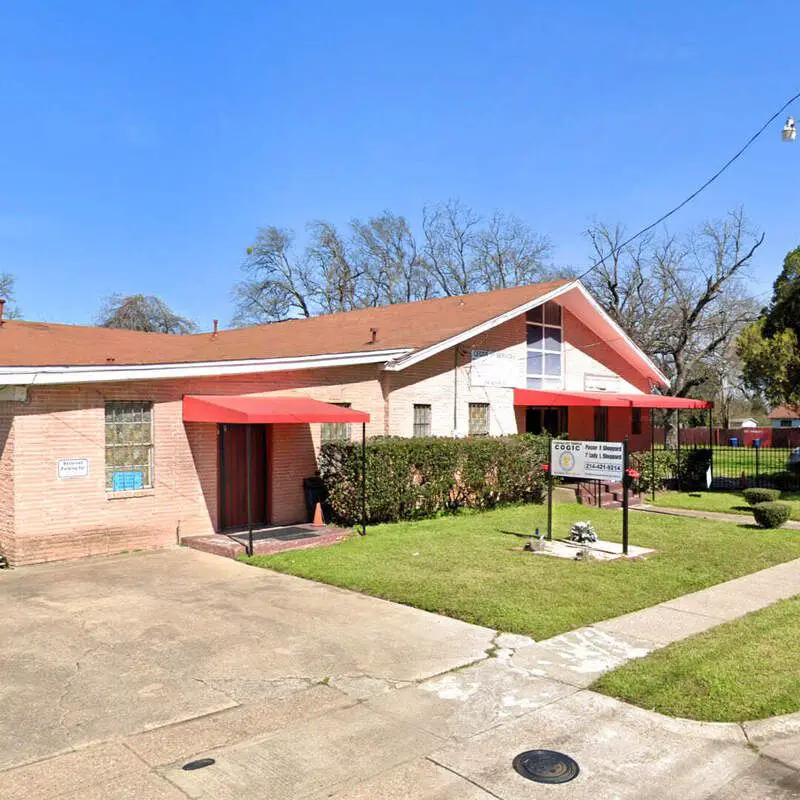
455, 390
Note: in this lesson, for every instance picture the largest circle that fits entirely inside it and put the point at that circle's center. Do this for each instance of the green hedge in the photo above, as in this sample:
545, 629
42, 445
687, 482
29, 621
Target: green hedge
756, 495
665, 461
419, 478
771, 514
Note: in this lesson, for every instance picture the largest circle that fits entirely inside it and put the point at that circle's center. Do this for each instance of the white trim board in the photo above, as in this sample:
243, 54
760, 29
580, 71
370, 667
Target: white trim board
42, 376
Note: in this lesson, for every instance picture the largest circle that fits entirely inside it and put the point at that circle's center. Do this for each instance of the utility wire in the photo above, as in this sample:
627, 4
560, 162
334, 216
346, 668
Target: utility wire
697, 191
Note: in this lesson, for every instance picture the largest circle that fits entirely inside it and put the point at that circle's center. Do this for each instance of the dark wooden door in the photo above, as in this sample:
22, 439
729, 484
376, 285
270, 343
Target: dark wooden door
601, 424
233, 475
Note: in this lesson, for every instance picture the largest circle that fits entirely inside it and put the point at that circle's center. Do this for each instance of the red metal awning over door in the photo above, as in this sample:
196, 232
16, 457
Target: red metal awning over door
538, 397
259, 410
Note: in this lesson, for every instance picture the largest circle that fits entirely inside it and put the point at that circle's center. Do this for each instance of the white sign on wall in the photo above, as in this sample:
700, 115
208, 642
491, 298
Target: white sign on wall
73, 468
603, 460
600, 383
493, 368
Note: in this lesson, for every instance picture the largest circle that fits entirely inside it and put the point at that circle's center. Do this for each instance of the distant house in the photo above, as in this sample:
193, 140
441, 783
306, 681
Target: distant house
747, 422
785, 417
112, 440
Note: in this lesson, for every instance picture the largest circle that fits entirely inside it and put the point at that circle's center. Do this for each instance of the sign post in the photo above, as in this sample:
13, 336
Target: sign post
626, 480
550, 494
589, 461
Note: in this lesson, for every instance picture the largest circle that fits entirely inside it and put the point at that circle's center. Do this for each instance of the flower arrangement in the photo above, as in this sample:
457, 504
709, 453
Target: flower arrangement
583, 532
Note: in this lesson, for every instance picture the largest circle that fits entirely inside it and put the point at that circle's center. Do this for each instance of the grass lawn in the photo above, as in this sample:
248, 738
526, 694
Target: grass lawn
727, 502
746, 669
468, 566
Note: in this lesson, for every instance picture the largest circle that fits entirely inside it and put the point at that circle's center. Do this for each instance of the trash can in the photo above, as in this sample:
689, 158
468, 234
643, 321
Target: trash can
756, 442
314, 490
733, 441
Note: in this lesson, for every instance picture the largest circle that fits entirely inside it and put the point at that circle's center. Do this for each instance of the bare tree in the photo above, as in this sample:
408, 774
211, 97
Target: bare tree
509, 253
336, 280
7, 293
680, 299
138, 312
279, 283
451, 235
378, 261
395, 271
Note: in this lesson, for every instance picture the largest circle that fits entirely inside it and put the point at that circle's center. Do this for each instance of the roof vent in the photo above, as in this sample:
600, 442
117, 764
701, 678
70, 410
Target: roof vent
374, 335
2, 306
216, 327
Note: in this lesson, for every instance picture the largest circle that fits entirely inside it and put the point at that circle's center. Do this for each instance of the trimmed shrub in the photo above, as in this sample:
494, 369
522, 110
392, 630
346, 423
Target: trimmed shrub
419, 478
664, 472
771, 515
754, 496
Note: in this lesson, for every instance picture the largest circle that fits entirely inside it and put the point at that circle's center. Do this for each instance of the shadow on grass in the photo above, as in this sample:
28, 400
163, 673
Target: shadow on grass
748, 509
517, 533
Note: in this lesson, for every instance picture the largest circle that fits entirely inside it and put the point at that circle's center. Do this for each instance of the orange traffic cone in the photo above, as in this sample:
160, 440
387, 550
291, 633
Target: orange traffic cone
319, 520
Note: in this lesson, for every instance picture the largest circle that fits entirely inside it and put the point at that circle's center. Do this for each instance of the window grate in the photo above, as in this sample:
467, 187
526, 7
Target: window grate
422, 420
129, 445
335, 431
478, 419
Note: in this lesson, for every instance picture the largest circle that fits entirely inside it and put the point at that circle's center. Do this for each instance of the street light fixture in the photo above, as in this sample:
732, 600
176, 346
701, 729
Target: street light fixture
789, 130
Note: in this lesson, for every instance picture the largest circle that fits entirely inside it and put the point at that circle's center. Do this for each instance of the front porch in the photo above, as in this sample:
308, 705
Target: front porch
267, 540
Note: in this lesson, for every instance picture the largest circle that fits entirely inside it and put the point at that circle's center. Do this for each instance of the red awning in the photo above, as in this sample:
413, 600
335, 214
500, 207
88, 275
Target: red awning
537, 397
258, 410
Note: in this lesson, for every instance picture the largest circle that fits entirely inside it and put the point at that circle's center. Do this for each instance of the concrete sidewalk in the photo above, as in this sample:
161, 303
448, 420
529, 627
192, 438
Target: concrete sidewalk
401, 732
718, 516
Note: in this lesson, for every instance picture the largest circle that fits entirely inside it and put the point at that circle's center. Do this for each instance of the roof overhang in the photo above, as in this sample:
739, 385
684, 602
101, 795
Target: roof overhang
578, 301
49, 375
537, 397
249, 410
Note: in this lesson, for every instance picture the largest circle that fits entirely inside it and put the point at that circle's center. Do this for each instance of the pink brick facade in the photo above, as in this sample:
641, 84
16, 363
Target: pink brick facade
44, 518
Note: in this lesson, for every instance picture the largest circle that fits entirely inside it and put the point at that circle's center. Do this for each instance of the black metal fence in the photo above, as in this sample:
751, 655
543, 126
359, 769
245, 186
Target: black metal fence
735, 467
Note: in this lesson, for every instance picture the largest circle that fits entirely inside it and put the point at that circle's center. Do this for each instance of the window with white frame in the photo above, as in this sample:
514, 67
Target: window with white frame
545, 347
478, 419
335, 431
129, 446
422, 420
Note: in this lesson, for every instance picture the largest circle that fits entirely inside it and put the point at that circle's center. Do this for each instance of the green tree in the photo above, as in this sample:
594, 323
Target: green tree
139, 312
770, 348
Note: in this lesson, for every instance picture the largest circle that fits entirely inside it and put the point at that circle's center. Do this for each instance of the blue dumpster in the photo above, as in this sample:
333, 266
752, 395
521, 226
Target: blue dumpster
756, 442
733, 441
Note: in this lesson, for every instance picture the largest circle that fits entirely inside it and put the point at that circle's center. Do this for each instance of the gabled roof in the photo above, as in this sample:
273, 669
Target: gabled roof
396, 336
784, 412
406, 326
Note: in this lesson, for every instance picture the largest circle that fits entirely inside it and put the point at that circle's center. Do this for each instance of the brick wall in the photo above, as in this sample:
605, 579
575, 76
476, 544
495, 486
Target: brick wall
437, 381
6, 480
69, 518
52, 518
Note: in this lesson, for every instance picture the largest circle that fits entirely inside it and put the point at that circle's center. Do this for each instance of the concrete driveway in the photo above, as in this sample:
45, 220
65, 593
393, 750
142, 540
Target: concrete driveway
117, 671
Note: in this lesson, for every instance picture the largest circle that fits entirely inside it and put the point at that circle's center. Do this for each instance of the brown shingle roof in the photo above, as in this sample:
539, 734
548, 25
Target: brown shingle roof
410, 325
784, 412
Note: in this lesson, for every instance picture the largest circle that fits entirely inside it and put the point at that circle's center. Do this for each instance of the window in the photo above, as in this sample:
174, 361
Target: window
478, 419
422, 420
786, 423
129, 446
335, 431
545, 346
636, 421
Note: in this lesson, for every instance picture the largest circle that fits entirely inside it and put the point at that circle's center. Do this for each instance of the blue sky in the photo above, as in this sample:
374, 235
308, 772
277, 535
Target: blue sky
143, 143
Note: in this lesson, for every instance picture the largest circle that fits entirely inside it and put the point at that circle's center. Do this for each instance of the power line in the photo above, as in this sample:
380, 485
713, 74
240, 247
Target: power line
697, 191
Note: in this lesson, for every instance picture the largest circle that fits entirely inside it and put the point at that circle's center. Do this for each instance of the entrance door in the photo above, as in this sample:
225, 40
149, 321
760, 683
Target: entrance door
546, 420
233, 475
601, 424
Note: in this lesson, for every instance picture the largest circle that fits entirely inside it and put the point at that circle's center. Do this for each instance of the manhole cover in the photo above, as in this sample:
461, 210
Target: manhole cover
546, 766
199, 763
